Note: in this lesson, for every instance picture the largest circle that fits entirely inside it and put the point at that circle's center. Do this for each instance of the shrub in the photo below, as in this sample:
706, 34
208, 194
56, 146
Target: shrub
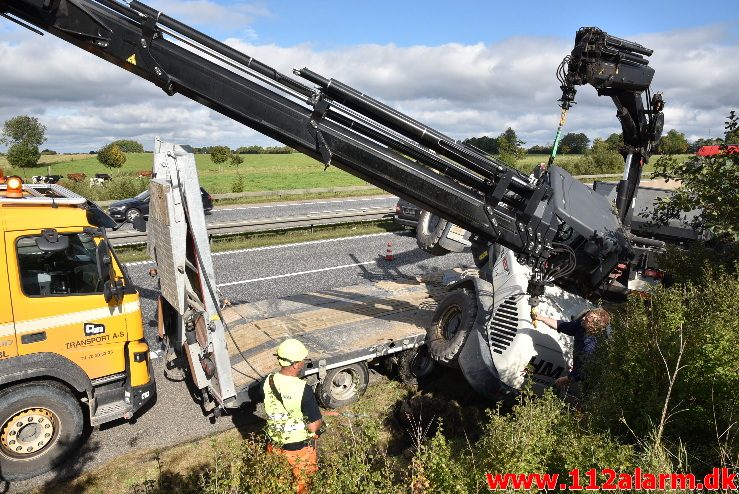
236, 160
696, 323
23, 155
119, 187
238, 184
111, 156
219, 154
129, 146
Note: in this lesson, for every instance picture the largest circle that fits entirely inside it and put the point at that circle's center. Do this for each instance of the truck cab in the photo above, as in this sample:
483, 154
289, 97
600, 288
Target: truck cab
72, 347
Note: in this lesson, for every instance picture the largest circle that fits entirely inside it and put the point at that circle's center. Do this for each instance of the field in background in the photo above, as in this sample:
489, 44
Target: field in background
259, 171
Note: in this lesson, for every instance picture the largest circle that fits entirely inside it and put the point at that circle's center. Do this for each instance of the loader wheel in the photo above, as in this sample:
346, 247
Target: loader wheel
415, 365
452, 323
343, 385
429, 232
40, 427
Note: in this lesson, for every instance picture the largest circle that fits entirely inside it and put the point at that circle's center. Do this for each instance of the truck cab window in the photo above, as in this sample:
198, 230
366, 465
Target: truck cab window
68, 272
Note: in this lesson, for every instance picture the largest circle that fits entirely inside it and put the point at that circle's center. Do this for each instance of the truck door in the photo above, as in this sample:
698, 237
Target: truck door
7, 328
58, 302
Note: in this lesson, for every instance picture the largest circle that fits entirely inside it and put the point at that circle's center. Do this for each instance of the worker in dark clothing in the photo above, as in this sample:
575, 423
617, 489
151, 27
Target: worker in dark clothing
293, 416
584, 331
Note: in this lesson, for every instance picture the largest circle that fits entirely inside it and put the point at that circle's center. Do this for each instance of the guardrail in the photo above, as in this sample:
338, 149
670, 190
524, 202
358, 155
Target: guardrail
131, 237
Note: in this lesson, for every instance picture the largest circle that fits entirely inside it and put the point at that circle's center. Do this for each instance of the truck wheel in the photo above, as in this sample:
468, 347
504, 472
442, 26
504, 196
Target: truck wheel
343, 385
414, 365
452, 322
40, 427
428, 233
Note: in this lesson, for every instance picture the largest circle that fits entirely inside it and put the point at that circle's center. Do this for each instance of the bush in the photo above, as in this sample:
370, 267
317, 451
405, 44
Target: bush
119, 187
599, 160
111, 156
23, 155
238, 185
220, 154
236, 160
129, 146
697, 323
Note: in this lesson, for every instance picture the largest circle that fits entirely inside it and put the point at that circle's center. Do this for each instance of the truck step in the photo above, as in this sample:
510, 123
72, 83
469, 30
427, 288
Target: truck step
110, 411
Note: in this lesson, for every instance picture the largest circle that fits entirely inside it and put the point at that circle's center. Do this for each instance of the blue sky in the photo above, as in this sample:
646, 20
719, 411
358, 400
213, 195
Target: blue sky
405, 23
465, 68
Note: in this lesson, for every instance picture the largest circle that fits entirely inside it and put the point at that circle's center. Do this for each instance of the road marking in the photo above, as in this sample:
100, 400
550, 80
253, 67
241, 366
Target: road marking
253, 280
270, 247
265, 206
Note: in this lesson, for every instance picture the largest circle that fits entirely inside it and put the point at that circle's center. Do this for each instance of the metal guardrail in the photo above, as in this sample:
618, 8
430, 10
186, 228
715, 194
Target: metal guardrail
282, 193
268, 224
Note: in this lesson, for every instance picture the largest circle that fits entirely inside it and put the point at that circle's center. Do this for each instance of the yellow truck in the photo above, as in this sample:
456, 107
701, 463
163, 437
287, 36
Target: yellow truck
72, 347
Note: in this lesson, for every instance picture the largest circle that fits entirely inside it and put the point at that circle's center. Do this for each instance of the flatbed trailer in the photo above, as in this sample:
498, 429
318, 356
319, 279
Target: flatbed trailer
344, 329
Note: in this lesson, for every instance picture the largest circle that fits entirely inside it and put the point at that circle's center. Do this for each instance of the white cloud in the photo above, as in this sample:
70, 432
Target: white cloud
461, 90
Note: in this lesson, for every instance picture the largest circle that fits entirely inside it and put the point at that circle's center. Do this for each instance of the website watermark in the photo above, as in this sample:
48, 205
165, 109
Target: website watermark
720, 479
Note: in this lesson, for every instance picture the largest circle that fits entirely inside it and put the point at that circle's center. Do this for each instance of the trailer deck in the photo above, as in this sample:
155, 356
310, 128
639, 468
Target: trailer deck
339, 326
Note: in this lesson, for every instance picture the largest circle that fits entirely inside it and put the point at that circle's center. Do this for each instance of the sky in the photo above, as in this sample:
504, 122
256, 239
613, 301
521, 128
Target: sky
465, 68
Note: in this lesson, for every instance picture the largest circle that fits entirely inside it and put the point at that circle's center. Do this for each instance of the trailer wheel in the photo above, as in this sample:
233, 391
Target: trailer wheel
429, 232
452, 322
343, 385
40, 426
414, 365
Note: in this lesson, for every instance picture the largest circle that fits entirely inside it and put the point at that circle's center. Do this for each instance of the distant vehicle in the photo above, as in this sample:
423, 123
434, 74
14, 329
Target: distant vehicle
130, 209
714, 150
406, 214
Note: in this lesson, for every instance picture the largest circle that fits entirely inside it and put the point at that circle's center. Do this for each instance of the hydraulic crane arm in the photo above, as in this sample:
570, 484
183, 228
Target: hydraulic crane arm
618, 68
554, 223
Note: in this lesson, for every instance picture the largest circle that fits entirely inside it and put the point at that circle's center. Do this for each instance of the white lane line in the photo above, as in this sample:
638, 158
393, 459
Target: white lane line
253, 280
270, 247
266, 206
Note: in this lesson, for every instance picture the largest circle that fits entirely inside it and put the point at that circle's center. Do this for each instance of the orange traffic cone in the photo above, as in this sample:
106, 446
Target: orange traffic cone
389, 253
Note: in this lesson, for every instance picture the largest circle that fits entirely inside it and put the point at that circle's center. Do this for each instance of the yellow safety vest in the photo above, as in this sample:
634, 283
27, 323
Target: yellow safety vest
285, 424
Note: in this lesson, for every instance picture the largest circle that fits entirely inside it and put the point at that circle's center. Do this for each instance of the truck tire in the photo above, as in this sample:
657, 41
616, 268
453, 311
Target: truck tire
428, 233
40, 427
452, 322
343, 385
415, 365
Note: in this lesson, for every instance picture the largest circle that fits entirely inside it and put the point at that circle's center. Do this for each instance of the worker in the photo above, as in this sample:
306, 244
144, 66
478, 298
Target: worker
293, 416
584, 332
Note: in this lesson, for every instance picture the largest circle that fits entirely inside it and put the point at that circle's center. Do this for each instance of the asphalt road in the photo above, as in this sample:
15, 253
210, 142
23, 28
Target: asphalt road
244, 276
226, 214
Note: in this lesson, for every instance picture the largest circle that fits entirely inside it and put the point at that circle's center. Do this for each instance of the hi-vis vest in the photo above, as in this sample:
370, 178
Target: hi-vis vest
285, 424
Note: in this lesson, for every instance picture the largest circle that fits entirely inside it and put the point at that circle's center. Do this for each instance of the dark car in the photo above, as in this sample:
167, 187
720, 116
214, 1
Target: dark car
130, 209
406, 214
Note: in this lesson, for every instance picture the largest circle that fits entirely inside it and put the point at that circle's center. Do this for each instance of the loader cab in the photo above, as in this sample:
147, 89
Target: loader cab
71, 325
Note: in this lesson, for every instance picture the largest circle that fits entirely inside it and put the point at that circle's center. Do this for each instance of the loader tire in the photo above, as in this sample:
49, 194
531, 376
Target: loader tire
452, 323
40, 428
429, 232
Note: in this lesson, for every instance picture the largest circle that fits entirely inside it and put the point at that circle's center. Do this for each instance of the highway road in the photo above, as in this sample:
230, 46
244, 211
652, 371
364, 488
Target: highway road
232, 213
244, 276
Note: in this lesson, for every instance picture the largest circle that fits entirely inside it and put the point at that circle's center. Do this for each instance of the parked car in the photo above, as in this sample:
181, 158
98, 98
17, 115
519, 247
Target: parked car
406, 214
130, 209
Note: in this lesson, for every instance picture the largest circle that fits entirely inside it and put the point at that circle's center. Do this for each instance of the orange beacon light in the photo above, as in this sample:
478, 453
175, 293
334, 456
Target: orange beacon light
14, 187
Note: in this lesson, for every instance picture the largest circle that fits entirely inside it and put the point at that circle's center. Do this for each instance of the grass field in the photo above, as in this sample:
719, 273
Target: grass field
260, 172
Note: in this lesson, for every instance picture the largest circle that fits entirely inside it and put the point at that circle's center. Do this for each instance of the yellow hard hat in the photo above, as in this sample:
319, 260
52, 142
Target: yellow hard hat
291, 351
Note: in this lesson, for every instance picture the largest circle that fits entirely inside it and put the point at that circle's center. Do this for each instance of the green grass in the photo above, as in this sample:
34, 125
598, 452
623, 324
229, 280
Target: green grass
262, 239
260, 171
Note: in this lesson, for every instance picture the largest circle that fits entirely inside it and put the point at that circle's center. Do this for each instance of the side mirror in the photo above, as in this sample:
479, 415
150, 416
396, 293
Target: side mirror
51, 241
113, 291
98, 217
